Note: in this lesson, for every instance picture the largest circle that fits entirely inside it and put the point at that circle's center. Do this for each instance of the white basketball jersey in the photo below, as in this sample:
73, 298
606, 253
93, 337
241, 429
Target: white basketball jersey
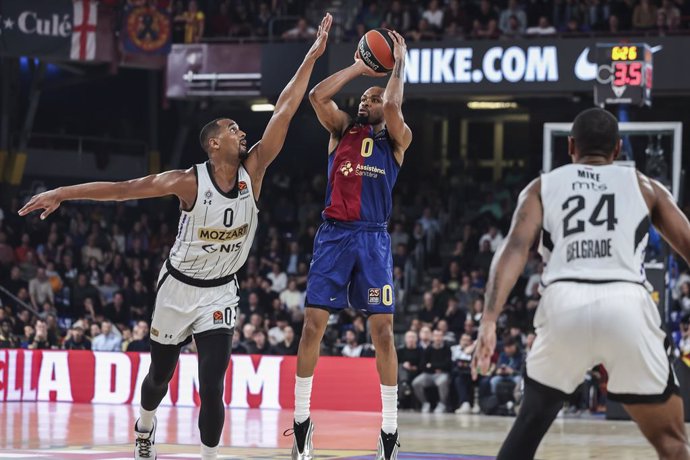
214, 238
595, 225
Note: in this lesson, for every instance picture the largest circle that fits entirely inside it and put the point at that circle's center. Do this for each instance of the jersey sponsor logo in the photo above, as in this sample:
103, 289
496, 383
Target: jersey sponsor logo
581, 185
230, 247
361, 170
346, 169
369, 171
374, 296
217, 317
242, 187
154, 332
219, 235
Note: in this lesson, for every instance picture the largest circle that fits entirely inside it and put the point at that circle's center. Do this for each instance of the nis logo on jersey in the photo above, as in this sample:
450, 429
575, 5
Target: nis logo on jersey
348, 168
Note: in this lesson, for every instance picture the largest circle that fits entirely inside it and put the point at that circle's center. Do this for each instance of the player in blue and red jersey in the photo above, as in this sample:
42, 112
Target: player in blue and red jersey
352, 263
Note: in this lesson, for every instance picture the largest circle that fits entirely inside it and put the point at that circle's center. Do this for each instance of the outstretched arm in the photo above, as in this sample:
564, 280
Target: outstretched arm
265, 151
393, 99
506, 266
177, 182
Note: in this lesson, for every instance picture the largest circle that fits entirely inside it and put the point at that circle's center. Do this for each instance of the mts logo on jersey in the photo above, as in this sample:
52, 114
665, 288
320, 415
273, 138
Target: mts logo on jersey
219, 235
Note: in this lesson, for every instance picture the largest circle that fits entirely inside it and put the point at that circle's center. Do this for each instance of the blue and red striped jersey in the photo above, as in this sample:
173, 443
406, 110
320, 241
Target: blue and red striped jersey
361, 175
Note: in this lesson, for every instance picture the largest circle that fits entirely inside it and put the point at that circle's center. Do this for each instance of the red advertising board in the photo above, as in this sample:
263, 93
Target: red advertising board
265, 382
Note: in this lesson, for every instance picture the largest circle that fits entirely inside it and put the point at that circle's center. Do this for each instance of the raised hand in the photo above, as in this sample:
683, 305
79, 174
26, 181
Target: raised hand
365, 69
319, 45
399, 46
49, 201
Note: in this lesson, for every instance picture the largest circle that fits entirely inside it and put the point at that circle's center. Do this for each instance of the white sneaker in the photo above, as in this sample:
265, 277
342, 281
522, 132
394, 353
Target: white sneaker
464, 408
440, 408
426, 408
476, 409
144, 443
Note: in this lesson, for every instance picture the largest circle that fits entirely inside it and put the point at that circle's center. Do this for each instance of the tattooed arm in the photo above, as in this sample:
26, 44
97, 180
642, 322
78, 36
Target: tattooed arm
507, 265
399, 132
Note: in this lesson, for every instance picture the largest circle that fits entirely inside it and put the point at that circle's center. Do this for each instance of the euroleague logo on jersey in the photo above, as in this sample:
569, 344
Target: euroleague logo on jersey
361, 170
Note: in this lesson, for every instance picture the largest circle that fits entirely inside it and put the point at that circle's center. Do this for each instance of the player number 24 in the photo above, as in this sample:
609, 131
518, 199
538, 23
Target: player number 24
576, 203
367, 147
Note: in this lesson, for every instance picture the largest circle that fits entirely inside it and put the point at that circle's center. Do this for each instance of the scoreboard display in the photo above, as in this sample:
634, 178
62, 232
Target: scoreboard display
624, 74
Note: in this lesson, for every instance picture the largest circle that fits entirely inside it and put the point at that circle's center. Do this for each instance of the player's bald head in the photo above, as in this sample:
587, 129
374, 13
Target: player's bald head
374, 91
210, 130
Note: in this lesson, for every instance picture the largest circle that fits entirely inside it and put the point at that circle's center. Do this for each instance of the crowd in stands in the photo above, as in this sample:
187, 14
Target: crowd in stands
85, 278
418, 20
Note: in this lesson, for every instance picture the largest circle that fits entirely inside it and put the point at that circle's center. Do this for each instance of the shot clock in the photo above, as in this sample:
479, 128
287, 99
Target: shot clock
624, 74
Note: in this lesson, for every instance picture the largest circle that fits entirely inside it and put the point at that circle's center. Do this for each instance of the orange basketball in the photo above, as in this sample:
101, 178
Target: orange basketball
375, 48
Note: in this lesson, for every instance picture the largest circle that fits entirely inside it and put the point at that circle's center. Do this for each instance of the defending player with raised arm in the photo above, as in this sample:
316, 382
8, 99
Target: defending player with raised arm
352, 262
592, 290
197, 290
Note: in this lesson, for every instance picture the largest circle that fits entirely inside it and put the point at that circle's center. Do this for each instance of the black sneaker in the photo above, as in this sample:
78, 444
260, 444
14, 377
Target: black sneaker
388, 446
303, 447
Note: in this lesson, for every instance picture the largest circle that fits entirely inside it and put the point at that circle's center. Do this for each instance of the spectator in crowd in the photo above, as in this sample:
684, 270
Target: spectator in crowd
422, 32
140, 338
429, 314
425, 335
461, 354
301, 32
6, 251
278, 277
288, 346
237, 347
542, 28
513, 29
259, 344
193, 20
40, 289
513, 20
435, 369
108, 339
509, 365
670, 14
409, 359
220, 23
40, 339
352, 348
7, 337
75, 340
434, 15
644, 15
397, 18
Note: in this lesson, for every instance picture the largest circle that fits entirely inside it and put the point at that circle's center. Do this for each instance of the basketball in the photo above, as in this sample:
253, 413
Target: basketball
375, 48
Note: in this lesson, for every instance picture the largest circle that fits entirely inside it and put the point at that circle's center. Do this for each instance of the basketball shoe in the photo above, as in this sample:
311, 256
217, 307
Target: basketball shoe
388, 446
144, 444
303, 446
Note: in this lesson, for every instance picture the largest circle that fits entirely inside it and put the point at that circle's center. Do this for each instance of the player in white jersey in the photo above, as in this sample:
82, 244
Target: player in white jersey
197, 289
593, 217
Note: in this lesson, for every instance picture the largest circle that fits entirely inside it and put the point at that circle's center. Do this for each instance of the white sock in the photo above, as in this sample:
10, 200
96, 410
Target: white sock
389, 400
208, 453
302, 397
145, 419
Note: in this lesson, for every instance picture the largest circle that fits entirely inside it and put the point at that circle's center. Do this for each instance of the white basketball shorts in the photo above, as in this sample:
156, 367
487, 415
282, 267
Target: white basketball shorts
183, 308
581, 325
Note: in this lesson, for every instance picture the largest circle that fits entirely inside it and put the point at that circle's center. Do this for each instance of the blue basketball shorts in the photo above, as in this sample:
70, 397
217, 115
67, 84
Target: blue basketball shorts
352, 266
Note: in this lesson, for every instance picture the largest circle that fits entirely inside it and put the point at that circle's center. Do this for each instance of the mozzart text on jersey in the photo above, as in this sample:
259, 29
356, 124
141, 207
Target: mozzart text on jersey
115, 378
454, 65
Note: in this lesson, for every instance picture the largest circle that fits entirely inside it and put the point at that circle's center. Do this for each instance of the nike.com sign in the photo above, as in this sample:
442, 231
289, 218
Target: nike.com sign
498, 64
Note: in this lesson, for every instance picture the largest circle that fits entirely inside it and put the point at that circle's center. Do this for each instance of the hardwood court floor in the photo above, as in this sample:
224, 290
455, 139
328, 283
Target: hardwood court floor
79, 431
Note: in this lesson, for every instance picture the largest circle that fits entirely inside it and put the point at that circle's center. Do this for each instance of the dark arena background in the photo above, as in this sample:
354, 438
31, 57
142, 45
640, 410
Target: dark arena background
112, 90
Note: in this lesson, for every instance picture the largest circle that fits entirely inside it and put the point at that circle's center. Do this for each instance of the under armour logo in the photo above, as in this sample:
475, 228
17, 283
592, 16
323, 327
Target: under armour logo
208, 202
